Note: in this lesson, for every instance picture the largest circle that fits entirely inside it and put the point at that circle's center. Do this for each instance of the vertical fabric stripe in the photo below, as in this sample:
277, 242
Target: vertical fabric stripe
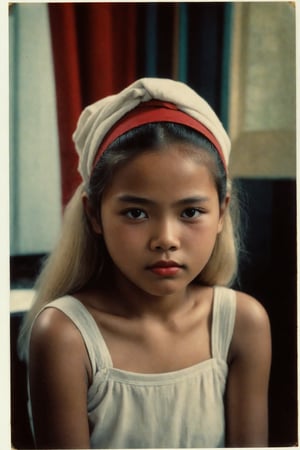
175, 42
182, 42
68, 95
123, 36
226, 62
151, 40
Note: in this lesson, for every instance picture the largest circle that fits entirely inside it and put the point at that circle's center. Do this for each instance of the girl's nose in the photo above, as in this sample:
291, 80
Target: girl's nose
165, 237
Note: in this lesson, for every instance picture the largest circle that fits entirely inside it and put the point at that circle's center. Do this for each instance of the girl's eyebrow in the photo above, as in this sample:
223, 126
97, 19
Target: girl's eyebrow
192, 200
145, 201
125, 198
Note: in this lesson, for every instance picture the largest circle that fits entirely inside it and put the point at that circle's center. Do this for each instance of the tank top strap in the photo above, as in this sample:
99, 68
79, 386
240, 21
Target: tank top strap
224, 310
88, 328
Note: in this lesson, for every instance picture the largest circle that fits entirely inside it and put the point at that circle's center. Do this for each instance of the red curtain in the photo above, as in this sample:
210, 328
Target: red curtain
94, 53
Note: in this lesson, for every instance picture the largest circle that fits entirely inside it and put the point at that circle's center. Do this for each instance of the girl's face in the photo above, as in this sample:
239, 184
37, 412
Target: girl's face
160, 217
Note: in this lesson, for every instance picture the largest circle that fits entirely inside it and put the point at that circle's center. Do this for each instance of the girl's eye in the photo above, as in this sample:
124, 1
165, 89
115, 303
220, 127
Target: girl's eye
191, 213
136, 214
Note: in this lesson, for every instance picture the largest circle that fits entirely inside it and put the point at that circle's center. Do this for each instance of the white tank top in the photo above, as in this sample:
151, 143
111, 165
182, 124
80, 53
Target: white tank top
180, 409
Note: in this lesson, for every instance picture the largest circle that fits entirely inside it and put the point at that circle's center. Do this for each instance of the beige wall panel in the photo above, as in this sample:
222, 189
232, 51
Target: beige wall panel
263, 90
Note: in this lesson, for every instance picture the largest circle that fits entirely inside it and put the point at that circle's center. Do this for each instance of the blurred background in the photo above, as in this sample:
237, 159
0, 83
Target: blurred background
240, 56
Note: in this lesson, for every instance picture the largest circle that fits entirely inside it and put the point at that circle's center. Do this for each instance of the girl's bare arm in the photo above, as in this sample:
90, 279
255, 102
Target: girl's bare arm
59, 369
247, 388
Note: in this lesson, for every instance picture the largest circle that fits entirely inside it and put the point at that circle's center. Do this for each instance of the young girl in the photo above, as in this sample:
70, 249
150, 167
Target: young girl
134, 340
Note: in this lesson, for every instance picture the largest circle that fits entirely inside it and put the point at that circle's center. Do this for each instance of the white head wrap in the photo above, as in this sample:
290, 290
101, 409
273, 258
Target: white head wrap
98, 118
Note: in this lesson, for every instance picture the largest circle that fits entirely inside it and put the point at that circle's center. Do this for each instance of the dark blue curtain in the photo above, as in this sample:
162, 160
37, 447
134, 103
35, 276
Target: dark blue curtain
189, 42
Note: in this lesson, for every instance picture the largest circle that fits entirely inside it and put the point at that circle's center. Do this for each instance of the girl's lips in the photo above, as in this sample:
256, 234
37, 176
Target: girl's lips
165, 271
164, 263
165, 268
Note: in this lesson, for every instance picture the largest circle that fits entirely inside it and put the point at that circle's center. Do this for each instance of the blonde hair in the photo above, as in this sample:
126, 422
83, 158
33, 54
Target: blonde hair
79, 257
222, 266
64, 271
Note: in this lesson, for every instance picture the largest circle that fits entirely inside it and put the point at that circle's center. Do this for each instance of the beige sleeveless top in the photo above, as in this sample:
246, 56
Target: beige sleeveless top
180, 409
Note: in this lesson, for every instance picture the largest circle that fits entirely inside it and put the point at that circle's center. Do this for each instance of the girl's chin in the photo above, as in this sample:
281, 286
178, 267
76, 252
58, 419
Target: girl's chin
159, 286
165, 288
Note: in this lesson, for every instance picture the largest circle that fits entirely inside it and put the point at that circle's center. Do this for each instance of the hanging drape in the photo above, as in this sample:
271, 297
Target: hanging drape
94, 56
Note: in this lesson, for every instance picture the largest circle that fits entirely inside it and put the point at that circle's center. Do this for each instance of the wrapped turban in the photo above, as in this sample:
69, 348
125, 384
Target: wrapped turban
144, 101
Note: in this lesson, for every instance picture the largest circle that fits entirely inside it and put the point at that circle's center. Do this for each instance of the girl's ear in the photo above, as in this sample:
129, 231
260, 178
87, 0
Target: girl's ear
91, 214
223, 209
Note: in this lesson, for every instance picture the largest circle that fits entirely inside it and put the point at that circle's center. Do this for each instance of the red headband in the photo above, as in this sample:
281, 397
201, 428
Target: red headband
151, 112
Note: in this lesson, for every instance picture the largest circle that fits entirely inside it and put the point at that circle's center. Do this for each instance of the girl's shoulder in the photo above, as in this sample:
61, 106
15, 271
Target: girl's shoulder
249, 311
252, 326
58, 357
52, 322
55, 336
